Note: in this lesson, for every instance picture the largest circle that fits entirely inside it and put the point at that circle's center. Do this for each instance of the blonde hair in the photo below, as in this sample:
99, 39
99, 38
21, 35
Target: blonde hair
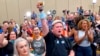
80, 23
16, 43
57, 18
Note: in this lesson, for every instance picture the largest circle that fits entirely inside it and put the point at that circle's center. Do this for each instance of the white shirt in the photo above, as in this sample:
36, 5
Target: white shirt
85, 42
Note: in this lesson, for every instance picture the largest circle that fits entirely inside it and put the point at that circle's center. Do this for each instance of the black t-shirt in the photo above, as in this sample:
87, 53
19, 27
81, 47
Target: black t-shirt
7, 50
56, 46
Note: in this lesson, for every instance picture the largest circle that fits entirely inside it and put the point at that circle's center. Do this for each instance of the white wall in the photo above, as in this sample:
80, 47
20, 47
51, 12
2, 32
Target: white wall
16, 9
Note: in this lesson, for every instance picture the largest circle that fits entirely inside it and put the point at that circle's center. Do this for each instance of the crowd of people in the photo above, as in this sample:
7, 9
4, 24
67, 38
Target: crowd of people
73, 34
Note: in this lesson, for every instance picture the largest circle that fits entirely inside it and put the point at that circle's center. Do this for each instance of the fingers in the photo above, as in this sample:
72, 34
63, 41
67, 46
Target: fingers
40, 5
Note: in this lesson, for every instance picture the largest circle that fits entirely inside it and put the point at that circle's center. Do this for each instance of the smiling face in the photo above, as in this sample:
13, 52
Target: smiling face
36, 31
57, 29
22, 48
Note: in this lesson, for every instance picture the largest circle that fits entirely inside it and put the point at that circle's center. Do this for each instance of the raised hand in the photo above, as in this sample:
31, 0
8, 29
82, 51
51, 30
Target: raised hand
40, 5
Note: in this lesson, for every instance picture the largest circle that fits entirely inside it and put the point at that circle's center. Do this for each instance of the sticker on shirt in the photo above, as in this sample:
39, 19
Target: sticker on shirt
57, 41
62, 42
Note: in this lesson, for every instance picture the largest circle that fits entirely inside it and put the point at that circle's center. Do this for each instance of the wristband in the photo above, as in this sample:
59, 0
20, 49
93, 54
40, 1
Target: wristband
42, 15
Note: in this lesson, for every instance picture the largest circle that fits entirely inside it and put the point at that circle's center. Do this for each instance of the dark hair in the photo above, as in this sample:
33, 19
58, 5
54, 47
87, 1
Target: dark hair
68, 11
19, 35
5, 22
0, 26
10, 33
77, 19
35, 27
65, 11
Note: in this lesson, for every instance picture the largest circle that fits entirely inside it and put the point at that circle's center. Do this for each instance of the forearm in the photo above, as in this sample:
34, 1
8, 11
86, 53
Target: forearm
77, 39
71, 32
80, 40
90, 37
45, 28
72, 53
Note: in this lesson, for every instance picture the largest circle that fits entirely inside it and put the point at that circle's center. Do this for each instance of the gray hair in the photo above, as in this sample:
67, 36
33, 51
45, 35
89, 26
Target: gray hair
16, 43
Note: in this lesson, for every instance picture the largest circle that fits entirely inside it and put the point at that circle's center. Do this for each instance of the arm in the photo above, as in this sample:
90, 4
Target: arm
72, 53
70, 32
77, 39
45, 28
90, 35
